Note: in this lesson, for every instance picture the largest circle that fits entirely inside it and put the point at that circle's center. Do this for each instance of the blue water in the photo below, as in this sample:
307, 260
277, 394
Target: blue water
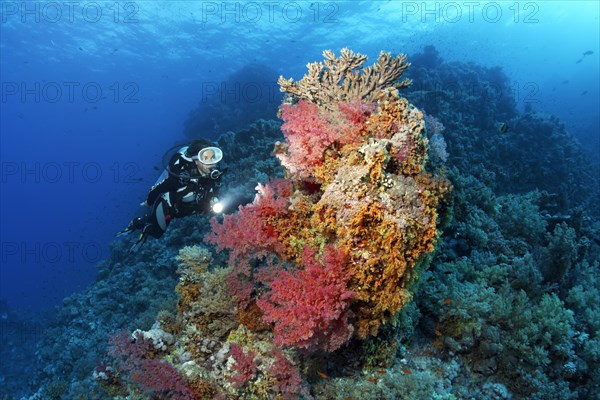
93, 94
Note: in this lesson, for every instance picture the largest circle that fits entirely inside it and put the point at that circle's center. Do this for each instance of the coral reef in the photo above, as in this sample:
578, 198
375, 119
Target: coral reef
507, 308
536, 152
487, 298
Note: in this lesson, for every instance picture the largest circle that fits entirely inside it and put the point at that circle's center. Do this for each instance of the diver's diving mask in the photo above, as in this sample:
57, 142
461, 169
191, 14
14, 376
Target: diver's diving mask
210, 157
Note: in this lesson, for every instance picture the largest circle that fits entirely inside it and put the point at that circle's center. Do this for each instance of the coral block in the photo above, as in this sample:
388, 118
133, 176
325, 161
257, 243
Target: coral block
354, 159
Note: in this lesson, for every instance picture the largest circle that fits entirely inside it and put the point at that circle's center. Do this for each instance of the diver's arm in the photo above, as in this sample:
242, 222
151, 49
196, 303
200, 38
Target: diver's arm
166, 185
212, 195
170, 181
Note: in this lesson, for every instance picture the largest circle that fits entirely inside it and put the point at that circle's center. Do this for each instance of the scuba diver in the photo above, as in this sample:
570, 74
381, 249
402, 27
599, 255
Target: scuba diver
189, 185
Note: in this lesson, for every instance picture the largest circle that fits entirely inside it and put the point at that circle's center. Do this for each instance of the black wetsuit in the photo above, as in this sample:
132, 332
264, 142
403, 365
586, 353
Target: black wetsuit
180, 192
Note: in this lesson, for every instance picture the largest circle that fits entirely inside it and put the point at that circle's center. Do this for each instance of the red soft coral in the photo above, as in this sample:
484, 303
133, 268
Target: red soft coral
248, 232
156, 376
310, 306
289, 382
245, 366
123, 346
355, 115
249, 235
151, 374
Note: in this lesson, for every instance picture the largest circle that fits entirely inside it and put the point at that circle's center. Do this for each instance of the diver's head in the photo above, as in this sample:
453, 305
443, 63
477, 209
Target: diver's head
207, 161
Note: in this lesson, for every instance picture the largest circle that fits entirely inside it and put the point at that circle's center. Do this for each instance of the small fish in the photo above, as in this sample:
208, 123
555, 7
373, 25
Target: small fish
503, 127
372, 380
565, 82
583, 93
406, 371
438, 343
588, 53
322, 375
80, 49
382, 371
579, 61
447, 301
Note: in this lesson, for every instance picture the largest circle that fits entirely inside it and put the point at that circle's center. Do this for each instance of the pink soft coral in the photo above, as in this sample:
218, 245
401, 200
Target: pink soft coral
310, 306
308, 134
309, 131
